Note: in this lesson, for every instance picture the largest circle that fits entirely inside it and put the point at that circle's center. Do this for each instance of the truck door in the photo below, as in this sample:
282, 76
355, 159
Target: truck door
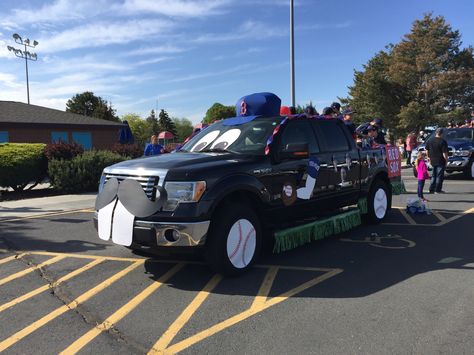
296, 180
340, 163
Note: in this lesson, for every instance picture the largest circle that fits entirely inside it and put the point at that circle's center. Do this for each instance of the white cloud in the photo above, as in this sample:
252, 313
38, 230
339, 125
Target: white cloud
249, 29
174, 8
323, 26
59, 11
103, 34
153, 60
165, 49
238, 68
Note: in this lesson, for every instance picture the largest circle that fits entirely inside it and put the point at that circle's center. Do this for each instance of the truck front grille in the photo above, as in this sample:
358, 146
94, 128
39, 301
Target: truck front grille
147, 182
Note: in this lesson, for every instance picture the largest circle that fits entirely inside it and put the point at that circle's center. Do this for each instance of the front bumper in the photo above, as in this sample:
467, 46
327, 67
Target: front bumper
457, 163
157, 234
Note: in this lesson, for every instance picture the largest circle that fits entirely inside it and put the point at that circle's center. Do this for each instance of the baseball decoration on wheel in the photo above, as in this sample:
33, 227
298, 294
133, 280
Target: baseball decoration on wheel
380, 203
241, 243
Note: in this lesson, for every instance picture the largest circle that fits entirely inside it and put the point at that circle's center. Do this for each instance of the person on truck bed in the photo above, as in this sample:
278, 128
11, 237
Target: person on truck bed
347, 119
369, 141
336, 107
378, 124
328, 113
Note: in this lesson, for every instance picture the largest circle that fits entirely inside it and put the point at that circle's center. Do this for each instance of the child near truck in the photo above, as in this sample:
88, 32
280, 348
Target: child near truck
422, 173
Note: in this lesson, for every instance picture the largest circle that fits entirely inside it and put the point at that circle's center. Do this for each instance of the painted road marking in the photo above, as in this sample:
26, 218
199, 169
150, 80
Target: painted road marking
5, 344
442, 220
185, 316
10, 258
120, 313
44, 215
186, 343
49, 286
376, 241
31, 269
260, 303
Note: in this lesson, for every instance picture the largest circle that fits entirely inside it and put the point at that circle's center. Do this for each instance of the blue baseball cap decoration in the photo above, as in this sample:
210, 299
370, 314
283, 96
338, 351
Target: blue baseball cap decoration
255, 105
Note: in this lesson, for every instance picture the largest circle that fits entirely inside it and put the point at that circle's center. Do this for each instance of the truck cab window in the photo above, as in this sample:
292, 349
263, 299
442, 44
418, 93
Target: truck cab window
298, 132
332, 136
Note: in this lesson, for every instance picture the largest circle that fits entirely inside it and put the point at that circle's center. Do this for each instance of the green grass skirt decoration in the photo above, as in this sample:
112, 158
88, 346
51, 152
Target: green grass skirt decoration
291, 238
398, 187
362, 205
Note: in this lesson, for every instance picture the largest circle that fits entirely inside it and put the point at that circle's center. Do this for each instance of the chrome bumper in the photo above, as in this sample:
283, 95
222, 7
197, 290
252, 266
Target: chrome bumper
457, 162
190, 234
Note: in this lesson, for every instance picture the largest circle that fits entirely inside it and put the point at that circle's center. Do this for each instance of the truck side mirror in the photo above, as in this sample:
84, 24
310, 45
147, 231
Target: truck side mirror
295, 151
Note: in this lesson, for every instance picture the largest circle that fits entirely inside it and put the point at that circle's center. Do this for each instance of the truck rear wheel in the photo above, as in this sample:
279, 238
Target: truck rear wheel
234, 240
378, 202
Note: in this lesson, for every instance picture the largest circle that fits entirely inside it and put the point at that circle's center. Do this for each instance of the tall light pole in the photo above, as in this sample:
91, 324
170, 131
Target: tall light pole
292, 52
24, 54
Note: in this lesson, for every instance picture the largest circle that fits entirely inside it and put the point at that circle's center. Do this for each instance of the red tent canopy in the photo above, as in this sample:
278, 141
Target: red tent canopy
165, 135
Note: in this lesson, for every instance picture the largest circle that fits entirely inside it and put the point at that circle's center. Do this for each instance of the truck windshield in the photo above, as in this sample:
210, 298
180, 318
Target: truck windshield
247, 138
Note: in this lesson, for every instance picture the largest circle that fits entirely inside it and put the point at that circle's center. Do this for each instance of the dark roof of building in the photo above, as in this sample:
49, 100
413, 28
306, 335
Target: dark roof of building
19, 112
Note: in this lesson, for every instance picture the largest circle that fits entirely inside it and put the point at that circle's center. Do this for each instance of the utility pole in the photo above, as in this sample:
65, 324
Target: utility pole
24, 54
292, 52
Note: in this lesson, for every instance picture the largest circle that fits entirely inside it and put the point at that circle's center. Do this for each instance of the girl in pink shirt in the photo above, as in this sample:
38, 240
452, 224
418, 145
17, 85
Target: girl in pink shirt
422, 173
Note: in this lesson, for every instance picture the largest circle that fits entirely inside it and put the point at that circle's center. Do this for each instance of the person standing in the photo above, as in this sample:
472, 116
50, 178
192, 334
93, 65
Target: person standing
411, 144
438, 153
421, 173
153, 148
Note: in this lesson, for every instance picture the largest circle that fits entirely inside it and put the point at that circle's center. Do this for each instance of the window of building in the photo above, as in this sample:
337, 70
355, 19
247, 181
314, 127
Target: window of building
83, 138
3, 137
59, 136
331, 136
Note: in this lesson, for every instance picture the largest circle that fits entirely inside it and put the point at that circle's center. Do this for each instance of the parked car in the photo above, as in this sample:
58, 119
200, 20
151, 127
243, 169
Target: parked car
237, 179
460, 151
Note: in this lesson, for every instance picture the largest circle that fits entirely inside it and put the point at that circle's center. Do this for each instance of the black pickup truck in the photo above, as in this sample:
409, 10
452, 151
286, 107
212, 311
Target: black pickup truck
237, 179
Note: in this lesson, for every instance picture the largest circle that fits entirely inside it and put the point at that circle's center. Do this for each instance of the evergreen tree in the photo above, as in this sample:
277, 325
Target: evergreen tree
153, 123
165, 122
218, 112
88, 104
423, 80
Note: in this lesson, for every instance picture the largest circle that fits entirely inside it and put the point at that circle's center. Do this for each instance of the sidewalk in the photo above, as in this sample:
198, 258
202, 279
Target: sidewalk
44, 205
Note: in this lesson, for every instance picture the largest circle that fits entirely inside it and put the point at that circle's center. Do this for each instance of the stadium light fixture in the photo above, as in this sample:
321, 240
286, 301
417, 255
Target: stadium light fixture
24, 54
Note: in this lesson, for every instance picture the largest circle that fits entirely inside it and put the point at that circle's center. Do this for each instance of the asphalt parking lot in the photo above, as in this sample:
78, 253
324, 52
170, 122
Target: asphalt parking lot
405, 286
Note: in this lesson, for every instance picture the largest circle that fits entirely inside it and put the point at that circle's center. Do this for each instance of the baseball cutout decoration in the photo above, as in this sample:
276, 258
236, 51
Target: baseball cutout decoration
241, 243
288, 194
313, 172
368, 161
348, 162
334, 162
380, 203
376, 159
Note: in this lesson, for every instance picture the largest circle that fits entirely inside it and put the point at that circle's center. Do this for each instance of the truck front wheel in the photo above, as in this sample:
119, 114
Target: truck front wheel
234, 239
378, 202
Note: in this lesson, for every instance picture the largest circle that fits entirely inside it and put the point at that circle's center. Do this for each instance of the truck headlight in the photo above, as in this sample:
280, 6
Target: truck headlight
183, 192
462, 153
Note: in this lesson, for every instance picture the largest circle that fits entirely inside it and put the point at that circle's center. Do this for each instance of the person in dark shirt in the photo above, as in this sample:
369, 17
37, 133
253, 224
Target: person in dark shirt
347, 119
378, 124
438, 153
153, 148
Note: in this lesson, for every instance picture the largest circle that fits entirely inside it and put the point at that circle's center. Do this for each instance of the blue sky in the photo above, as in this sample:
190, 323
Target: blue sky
184, 55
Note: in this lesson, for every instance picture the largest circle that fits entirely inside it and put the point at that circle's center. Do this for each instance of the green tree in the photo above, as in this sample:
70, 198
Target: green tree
218, 112
425, 79
184, 128
88, 104
165, 122
152, 121
140, 128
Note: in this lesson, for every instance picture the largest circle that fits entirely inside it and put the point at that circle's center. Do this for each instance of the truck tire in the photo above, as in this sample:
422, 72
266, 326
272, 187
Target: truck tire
469, 171
378, 202
234, 240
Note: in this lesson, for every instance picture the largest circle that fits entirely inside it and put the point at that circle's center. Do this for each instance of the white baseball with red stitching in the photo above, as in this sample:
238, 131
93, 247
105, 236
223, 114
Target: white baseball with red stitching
380, 203
241, 243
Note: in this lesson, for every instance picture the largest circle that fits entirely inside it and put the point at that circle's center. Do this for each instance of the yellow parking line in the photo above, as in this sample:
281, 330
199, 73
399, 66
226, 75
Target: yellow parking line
120, 313
265, 288
10, 258
5, 344
47, 287
408, 217
46, 215
186, 343
86, 256
185, 316
31, 269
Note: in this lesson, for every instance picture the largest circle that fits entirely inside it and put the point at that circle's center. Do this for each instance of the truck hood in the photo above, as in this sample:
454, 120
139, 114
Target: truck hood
178, 160
461, 144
